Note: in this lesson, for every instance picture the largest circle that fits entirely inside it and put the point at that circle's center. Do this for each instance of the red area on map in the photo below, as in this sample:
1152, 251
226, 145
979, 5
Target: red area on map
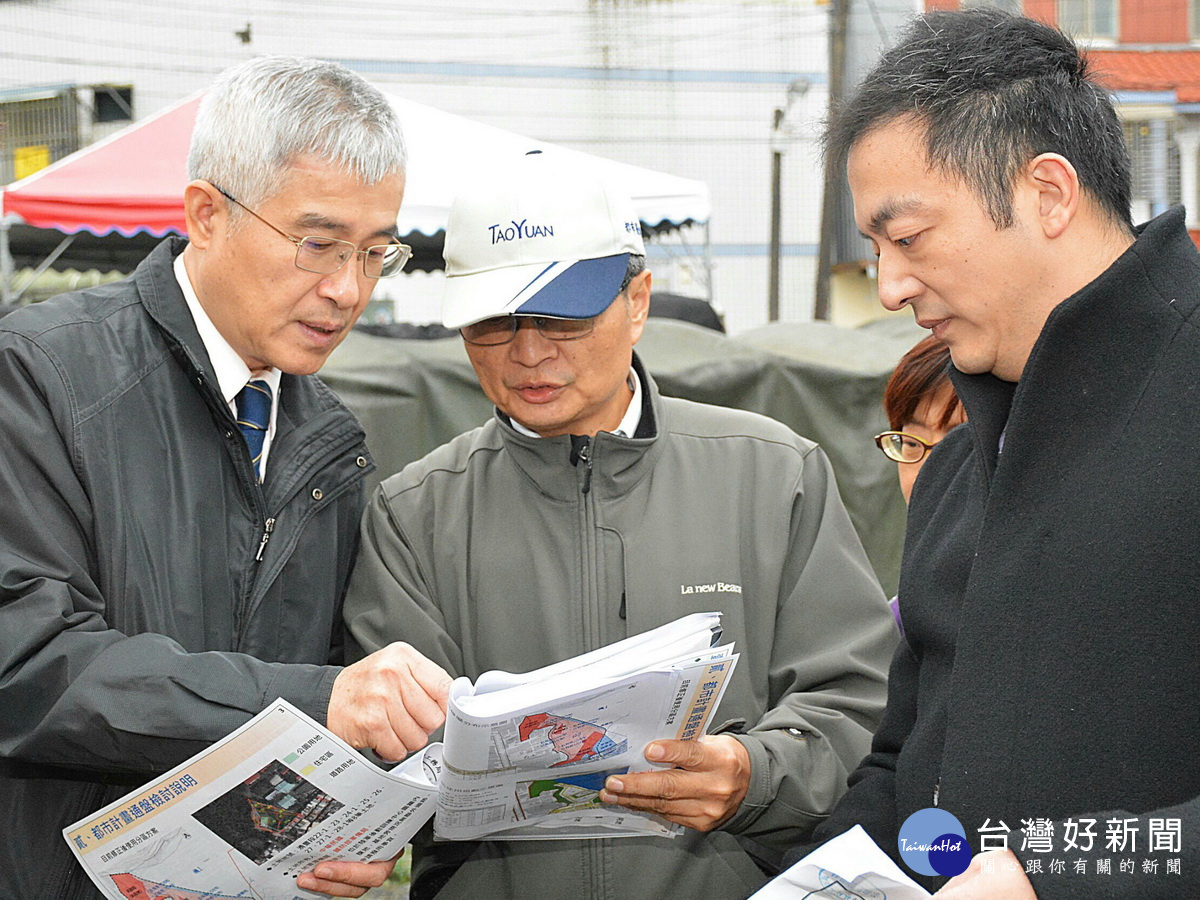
131, 887
574, 739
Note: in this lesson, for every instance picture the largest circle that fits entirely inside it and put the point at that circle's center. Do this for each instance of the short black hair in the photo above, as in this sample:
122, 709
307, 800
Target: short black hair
992, 91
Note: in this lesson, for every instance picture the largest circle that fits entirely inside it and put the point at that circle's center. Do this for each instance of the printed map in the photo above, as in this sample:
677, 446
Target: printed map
567, 794
592, 729
135, 888
577, 741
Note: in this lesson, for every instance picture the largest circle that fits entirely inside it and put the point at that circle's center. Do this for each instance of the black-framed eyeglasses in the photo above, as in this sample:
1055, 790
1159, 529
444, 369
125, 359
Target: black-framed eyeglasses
502, 329
902, 447
324, 256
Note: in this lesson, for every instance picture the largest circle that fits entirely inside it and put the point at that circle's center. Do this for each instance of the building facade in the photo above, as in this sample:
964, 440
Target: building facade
689, 87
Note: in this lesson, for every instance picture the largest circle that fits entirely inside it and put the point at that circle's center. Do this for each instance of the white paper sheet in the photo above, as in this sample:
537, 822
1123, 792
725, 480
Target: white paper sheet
849, 867
243, 818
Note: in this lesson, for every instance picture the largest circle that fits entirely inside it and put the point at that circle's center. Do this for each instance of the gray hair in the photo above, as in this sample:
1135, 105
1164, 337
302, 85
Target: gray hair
260, 116
635, 267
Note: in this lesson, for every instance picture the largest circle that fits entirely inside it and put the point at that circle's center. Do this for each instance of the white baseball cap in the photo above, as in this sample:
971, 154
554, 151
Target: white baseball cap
543, 238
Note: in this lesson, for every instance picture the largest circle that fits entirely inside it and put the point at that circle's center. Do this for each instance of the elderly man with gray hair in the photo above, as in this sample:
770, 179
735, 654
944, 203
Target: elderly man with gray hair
181, 495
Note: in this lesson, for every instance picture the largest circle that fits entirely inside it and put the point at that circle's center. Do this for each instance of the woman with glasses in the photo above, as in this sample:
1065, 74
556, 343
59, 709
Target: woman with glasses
921, 407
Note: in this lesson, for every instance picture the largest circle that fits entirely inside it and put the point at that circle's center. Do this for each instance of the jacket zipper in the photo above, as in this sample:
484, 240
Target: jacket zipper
268, 527
585, 456
592, 628
248, 602
587, 535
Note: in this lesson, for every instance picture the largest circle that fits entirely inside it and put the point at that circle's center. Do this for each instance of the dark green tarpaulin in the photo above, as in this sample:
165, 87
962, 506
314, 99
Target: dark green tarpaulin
825, 382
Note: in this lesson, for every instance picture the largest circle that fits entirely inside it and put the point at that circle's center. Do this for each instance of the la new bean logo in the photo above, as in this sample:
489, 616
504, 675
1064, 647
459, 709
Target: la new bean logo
933, 842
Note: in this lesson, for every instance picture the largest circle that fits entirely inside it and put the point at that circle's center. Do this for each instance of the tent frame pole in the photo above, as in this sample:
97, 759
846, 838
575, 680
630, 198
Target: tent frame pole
45, 264
6, 263
708, 262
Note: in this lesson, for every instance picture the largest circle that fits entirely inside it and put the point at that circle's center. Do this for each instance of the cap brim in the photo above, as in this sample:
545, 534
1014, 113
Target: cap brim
572, 289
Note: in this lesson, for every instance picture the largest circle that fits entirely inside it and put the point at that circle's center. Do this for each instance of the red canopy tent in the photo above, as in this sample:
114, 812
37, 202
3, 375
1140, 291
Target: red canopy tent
98, 190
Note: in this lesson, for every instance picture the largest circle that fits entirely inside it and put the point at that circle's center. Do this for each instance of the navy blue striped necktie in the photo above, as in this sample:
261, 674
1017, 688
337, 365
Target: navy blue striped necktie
253, 417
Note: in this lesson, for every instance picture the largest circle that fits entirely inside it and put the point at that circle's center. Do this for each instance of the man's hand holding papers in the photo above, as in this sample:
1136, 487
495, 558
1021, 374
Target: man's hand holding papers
704, 789
347, 879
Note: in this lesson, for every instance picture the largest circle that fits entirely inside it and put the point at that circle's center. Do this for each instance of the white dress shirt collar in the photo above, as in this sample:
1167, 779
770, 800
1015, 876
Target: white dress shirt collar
231, 371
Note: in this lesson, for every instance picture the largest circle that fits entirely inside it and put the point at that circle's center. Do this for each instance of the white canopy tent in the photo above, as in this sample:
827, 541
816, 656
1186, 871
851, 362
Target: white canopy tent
130, 185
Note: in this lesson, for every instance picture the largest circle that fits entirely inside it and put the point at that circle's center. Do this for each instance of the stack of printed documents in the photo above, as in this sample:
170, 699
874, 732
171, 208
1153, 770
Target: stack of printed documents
524, 757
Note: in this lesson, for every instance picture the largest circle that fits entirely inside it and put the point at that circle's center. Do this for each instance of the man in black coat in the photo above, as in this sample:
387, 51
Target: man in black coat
163, 577
1045, 696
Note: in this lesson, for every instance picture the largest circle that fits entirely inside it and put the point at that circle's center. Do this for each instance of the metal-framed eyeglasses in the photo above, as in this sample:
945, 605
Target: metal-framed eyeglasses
902, 447
503, 329
324, 255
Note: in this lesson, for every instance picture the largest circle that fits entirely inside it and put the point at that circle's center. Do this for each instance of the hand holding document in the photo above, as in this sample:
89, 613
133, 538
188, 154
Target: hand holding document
849, 867
524, 756
246, 816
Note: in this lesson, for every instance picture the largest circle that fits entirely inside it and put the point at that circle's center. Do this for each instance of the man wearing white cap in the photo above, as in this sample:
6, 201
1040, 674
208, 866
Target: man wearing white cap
589, 509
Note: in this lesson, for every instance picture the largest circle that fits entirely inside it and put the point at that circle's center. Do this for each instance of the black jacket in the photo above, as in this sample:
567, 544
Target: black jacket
137, 624
1049, 594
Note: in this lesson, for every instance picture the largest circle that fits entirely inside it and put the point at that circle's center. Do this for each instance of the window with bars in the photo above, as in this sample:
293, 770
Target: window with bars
1154, 158
1008, 6
37, 127
1088, 18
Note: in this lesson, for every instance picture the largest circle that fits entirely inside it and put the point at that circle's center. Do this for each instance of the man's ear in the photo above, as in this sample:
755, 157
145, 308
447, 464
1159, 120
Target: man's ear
1058, 194
204, 211
639, 301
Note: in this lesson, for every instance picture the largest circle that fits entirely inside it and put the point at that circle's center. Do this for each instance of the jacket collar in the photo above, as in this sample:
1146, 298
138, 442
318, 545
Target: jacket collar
160, 295
1089, 367
617, 463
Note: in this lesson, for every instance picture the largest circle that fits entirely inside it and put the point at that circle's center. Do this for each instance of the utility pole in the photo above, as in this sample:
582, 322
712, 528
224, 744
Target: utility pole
829, 200
776, 218
797, 89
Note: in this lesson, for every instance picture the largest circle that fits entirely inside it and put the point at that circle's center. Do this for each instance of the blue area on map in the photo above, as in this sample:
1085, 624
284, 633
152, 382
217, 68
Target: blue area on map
591, 782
